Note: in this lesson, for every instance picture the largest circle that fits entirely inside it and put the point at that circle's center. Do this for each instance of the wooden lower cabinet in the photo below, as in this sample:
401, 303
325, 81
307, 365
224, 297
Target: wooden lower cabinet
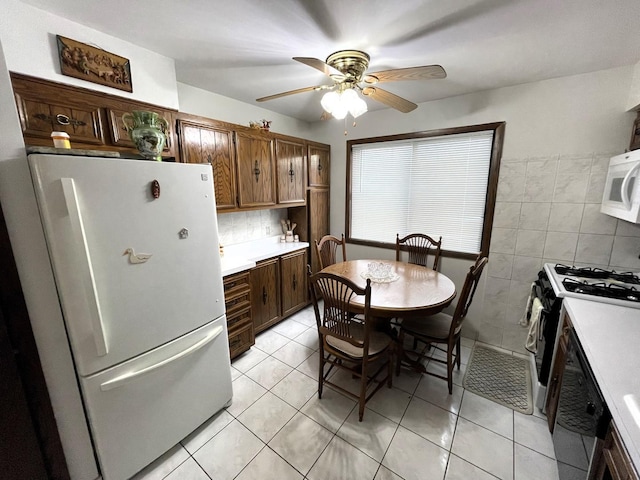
612, 461
293, 269
557, 370
278, 288
237, 299
265, 293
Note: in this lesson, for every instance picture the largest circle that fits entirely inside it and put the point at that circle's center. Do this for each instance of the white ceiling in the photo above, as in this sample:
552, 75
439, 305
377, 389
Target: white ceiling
243, 49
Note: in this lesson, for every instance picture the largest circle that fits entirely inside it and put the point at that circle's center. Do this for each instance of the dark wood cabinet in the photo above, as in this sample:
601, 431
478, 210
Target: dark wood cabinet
611, 461
635, 134
200, 143
319, 165
92, 119
293, 282
237, 299
557, 370
256, 170
290, 161
265, 294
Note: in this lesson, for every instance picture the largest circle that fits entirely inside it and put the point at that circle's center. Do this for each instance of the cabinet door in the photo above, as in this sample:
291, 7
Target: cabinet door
557, 370
290, 160
319, 165
318, 215
265, 298
256, 170
204, 144
39, 118
613, 463
293, 281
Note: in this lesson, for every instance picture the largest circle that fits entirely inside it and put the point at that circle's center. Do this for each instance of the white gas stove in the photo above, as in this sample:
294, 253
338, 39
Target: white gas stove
598, 285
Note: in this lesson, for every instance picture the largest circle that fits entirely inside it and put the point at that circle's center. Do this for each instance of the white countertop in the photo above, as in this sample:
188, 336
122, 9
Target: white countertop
243, 256
610, 337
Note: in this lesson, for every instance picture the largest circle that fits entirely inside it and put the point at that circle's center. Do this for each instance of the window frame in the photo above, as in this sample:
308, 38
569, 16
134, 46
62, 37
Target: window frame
492, 183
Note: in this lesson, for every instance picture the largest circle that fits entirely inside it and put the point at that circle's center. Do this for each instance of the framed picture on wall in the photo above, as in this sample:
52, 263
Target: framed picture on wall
93, 64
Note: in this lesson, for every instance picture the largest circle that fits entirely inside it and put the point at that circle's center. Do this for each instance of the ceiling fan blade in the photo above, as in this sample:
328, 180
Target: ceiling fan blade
291, 92
325, 68
390, 99
426, 72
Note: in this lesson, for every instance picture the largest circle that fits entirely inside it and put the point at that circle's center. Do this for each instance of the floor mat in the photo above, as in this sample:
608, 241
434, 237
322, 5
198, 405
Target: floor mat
500, 377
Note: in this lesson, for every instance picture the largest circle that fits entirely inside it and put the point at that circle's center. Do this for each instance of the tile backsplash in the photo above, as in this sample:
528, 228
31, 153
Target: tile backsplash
238, 227
547, 210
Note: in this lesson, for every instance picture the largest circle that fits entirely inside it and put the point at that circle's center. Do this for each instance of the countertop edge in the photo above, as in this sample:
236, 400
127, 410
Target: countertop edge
244, 256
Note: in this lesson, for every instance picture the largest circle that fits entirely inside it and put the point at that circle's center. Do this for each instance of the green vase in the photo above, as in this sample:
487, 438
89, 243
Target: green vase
146, 130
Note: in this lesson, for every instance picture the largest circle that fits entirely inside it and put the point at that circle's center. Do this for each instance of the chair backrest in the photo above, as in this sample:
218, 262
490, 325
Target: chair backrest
419, 246
327, 249
468, 291
336, 319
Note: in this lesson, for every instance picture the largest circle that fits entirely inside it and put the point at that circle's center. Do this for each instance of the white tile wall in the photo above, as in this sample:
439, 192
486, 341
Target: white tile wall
238, 227
547, 210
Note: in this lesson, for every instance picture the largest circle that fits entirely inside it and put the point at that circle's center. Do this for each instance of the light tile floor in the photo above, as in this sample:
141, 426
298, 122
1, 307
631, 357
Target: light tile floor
278, 429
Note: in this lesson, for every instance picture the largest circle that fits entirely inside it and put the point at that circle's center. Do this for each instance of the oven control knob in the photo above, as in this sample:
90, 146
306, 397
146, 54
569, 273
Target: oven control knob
591, 408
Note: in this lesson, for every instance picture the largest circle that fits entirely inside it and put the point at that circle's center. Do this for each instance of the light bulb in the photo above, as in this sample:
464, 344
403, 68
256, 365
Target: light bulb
329, 101
358, 107
340, 110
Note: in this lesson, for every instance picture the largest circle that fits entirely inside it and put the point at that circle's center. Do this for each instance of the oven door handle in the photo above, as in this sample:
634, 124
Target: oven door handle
625, 184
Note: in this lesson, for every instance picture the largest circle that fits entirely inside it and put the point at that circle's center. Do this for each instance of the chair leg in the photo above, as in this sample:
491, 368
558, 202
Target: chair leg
450, 363
399, 353
458, 353
390, 360
363, 392
320, 373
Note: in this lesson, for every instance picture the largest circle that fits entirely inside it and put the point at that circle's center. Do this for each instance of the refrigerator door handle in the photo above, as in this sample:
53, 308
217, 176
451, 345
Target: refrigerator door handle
127, 377
77, 227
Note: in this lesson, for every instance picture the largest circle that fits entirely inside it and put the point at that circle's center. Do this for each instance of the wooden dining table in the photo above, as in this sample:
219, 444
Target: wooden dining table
416, 292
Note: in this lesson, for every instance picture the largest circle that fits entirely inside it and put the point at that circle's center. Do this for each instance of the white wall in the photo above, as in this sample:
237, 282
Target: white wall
29, 40
567, 121
196, 101
634, 91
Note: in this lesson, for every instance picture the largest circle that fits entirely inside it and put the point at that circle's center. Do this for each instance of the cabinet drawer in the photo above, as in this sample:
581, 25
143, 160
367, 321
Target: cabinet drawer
234, 284
237, 303
241, 340
238, 320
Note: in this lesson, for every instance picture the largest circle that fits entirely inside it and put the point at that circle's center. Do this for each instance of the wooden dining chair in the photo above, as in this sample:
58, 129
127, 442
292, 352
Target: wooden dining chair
419, 246
442, 329
327, 249
347, 343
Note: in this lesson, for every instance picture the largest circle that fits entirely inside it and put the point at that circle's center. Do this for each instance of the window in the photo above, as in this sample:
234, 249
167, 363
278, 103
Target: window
441, 183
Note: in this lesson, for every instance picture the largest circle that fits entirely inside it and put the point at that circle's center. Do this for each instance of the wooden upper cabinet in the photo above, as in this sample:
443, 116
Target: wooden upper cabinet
319, 165
208, 144
256, 170
39, 118
92, 119
290, 159
119, 133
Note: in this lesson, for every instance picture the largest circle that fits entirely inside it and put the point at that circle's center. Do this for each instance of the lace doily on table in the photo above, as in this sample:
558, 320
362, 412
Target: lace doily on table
392, 277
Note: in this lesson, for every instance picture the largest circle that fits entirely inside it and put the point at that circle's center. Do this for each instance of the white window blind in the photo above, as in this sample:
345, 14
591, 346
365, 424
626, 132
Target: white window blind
435, 185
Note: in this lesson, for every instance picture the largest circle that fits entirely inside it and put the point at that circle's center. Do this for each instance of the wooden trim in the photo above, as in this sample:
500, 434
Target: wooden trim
492, 183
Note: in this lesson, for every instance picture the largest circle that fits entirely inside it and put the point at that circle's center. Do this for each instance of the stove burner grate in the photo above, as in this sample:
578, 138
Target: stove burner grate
602, 290
597, 273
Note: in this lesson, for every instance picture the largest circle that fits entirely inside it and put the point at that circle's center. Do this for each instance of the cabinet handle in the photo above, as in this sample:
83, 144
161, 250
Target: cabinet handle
291, 172
264, 295
295, 282
319, 166
256, 171
60, 119
209, 159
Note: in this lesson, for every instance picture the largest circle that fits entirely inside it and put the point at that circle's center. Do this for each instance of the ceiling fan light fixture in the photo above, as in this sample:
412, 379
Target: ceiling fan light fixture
340, 103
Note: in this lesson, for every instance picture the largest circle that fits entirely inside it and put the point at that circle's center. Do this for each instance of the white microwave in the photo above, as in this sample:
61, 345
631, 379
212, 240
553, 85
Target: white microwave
621, 197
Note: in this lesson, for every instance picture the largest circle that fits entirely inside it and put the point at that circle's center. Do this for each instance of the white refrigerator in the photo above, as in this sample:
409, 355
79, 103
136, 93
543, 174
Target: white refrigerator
134, 249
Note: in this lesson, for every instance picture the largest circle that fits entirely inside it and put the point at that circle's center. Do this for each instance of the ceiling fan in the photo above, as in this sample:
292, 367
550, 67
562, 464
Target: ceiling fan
347, 69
